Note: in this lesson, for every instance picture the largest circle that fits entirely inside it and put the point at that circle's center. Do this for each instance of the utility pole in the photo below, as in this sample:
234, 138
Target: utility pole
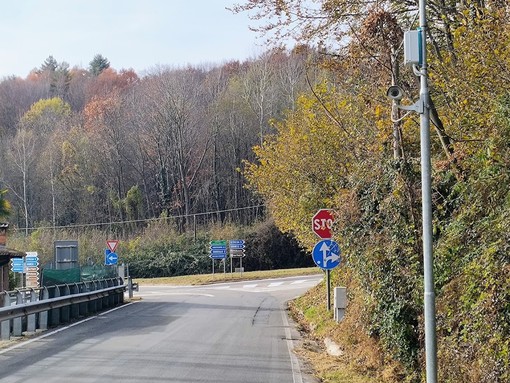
415, 54
426, 192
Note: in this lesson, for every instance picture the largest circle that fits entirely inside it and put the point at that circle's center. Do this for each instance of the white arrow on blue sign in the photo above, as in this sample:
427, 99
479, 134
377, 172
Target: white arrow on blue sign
218, 253
17, 265
237, 244
110, 258
326, 254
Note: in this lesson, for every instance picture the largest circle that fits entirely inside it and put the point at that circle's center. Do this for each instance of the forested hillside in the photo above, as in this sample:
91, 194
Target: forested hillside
99, 145
305, 129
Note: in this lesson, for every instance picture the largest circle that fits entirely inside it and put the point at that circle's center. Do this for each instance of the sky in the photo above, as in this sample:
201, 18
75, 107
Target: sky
136, 34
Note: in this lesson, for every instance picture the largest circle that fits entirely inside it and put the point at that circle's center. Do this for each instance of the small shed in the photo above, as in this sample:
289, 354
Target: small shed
6, 255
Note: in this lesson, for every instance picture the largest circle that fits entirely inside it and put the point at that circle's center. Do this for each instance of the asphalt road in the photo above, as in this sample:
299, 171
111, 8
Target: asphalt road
236, 332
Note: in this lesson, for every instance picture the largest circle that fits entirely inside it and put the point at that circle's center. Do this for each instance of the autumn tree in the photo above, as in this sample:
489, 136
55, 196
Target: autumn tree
106, 128
4, 204
173, 125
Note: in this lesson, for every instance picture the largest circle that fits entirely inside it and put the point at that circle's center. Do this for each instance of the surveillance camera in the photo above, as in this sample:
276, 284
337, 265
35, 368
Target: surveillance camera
395, 93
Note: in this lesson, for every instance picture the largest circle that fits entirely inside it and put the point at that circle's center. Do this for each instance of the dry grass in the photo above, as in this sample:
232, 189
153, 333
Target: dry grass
362, 359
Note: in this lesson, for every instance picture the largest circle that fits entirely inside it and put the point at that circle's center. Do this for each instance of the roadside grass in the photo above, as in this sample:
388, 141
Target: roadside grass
203, 279
360, 359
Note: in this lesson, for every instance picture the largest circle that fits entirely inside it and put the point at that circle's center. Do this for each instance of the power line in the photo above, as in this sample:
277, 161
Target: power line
139, 220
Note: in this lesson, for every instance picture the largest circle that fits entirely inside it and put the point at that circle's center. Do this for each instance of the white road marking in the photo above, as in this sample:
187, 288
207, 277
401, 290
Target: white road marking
37, 338
274, 284
294, 362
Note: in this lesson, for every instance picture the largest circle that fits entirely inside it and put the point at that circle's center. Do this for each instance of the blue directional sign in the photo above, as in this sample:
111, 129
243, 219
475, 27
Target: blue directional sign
110, 258
236, 244
32, 261
17, 265
218, 249
326, 254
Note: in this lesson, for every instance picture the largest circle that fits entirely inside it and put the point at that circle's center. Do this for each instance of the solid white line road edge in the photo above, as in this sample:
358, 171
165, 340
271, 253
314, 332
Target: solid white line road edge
36, 338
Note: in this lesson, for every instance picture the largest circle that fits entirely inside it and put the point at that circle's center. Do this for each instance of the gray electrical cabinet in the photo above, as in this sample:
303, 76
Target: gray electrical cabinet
66, 254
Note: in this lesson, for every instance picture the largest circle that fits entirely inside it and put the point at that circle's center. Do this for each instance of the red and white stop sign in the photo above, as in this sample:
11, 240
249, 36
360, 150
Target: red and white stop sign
322, 223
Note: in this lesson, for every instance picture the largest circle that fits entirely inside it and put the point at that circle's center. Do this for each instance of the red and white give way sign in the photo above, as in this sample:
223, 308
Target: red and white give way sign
112, 244
322, 223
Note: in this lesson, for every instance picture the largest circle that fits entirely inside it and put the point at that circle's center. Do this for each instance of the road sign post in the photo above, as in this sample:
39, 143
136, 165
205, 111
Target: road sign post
237, 251
32, 269
325, 254
218, 250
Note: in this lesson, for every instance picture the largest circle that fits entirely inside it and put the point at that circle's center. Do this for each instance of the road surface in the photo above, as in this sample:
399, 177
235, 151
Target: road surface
232, 332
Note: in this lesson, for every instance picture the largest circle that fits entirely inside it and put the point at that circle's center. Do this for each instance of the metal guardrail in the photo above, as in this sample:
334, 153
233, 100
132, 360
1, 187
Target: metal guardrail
39, 308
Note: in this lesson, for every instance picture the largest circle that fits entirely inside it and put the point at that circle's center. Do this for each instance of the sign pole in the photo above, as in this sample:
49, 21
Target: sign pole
328, 283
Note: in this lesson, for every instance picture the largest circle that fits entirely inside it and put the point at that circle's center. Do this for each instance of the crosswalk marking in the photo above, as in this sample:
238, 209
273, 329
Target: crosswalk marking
255, 287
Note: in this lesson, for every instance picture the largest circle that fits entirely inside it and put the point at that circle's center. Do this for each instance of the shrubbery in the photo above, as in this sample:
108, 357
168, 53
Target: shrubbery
160, 251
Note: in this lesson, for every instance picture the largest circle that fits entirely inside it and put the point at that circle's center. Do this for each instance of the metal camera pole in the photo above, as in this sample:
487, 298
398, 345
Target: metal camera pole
428, 262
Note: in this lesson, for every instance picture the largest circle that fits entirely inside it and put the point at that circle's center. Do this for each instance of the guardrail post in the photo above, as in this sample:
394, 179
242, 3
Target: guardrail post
55, 313
121, 294
110, 297
116, 297
104, 300
84, 307
93, 303
65, 311
17, 329
130, 287
31, 318
5, 326
75, 308
99, 301
43, 315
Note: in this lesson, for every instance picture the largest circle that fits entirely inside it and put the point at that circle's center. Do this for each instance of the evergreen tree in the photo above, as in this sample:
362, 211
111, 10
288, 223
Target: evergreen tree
98, 65
49, 65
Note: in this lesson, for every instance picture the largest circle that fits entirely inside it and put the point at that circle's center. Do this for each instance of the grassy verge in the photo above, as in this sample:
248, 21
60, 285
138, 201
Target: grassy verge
191, 280
360, 360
